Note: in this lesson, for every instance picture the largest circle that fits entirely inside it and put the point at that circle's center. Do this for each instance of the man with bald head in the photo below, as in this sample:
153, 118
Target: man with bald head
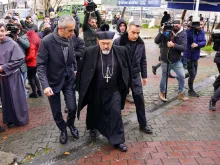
57, 67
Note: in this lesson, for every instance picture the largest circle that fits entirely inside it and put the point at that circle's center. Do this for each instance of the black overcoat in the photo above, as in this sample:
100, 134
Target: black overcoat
52, 69
86, 72
137, 62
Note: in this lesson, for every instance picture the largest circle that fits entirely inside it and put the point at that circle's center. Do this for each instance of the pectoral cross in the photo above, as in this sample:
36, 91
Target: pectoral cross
107, 75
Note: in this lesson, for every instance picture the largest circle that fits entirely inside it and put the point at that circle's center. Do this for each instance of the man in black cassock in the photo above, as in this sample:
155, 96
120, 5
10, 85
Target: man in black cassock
103, 84
14, 105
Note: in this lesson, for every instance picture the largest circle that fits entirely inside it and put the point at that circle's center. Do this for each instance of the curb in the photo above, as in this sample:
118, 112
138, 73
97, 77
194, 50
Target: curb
130, 122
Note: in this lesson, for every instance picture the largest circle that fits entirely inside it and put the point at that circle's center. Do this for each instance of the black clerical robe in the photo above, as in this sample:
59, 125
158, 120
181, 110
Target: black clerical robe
104, 99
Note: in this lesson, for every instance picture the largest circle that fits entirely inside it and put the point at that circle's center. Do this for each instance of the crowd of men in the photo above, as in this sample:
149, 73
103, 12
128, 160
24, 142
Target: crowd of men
102, 67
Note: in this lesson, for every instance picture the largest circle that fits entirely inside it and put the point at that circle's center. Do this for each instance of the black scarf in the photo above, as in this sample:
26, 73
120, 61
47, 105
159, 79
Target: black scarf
63, 41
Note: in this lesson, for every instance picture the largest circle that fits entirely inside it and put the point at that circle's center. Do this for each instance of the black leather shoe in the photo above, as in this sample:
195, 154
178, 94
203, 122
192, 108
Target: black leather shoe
33, 95
11, 125
121, 147
154, 70
146, 129
171, 76
74, 132
186, 75
63, 137
2, 129
93, 133
40, 93
212, 104
193, 93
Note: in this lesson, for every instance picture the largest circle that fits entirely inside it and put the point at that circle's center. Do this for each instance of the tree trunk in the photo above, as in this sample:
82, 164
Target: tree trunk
123, 12
183, 15
210, 34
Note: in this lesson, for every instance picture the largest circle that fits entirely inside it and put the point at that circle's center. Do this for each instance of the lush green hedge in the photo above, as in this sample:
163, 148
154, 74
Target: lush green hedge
40, 16
145, 25
208, 48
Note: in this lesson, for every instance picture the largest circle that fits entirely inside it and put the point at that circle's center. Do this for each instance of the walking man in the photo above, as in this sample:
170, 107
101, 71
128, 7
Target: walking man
195, 41
138, 64
56, 68
103, 84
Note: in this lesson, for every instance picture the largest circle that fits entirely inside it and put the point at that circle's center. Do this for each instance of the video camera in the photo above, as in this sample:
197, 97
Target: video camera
195, 22
168, 26
13, 29
91, 6
216, 39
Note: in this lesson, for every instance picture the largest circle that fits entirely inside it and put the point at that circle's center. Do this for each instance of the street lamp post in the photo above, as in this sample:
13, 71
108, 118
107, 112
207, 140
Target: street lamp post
197, 8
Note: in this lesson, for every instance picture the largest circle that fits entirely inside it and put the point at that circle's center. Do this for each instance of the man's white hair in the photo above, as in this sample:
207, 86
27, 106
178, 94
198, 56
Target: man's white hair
64, 20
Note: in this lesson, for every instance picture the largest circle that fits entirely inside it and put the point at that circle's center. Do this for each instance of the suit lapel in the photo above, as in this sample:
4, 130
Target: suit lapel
59, 51
70, 50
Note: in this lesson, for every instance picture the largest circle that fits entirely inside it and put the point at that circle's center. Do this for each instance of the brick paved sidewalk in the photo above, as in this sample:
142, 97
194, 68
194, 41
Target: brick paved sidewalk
186, 134
41, 135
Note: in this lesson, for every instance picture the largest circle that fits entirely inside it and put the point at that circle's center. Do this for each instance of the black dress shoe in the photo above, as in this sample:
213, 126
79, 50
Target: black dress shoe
93, 133
40, 93
146, 129
74, 132
154, 70
2, 129
186, 75
193, 93
171, 76
11, 125
63, 137
212, 104
33, 95
121, 147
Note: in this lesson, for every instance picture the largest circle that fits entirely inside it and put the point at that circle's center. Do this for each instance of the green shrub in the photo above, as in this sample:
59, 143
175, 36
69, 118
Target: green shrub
208, 48
40, 16
145, 25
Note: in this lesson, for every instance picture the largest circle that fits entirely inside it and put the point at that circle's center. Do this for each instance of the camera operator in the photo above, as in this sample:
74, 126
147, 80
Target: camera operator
16, 33
195, 41
172, 40
28, 24
91, 24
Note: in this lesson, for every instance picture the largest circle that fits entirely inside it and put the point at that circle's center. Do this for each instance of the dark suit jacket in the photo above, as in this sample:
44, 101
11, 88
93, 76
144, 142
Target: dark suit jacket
87, 70
52, 70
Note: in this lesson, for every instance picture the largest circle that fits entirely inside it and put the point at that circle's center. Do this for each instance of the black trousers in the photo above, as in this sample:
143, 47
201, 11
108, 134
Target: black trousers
192, 69
216, 95
218, 66
70, 100
33, 79
140, 108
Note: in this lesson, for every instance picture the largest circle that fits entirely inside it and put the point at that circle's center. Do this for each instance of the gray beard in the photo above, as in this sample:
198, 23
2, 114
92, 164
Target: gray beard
105, 52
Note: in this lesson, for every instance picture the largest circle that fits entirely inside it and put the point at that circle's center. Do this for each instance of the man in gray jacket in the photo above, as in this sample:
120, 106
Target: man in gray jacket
172, 43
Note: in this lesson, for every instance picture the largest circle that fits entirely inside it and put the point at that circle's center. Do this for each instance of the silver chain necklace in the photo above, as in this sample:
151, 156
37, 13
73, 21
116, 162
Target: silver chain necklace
108, 74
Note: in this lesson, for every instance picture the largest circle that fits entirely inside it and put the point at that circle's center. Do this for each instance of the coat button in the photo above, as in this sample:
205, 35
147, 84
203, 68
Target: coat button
92, 70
